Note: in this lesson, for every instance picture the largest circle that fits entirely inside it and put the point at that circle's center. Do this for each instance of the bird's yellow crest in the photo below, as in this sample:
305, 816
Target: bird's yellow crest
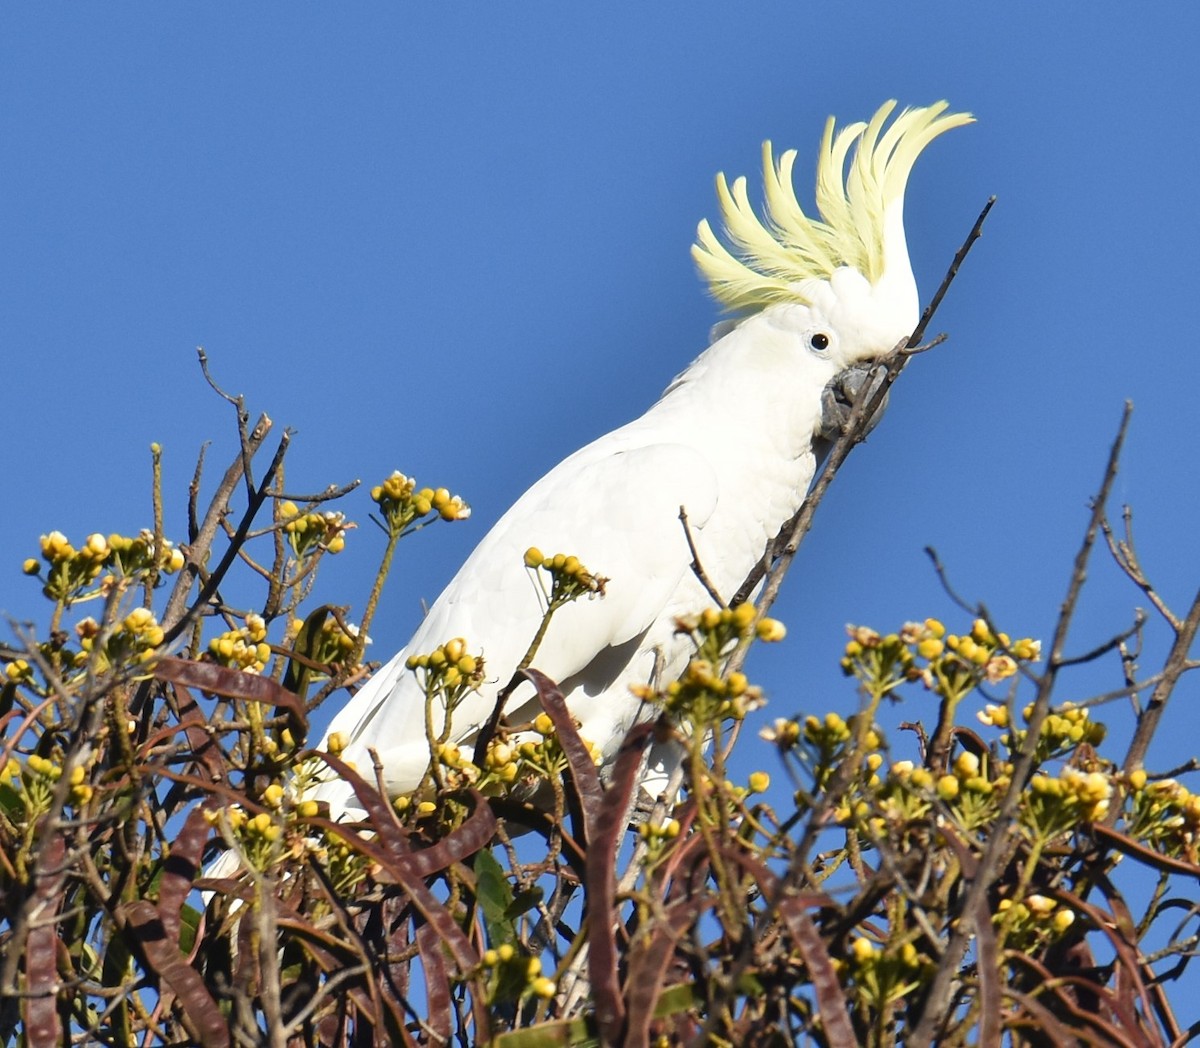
771, 259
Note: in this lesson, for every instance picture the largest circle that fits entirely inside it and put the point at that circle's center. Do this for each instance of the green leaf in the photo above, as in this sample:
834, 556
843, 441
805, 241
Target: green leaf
524, 901
573, 1033
495, 897
298, 675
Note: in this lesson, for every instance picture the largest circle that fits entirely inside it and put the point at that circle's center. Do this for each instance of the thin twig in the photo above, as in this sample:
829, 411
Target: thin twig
1001, 840
332, 492
1124, 554
1139, 620
206, 531
697, 567
1176, 666
210, 587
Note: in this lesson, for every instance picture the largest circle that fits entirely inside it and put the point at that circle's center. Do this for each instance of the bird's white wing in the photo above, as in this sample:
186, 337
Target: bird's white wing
615, 505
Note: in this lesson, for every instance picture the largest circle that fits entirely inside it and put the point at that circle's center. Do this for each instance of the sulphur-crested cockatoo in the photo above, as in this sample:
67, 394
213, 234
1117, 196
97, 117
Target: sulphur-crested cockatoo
731, 440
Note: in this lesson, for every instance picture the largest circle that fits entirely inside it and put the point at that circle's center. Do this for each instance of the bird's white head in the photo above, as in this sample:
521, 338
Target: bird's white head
847, 271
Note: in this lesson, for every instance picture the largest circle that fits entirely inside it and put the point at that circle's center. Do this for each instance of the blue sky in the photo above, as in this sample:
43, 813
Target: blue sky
453, 240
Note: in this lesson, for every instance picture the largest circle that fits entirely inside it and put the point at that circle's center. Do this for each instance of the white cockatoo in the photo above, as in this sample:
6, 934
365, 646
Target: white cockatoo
731, 441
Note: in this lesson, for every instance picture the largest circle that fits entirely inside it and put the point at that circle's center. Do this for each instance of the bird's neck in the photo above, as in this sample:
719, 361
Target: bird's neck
748, 407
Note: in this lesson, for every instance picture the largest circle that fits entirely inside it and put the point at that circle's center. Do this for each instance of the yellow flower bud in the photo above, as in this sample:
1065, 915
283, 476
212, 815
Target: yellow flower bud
1039, 905
862, 949
543, 725
533, 557
744, 614
947, 787
759, 782
337, 742
770, 630
1062, 920
966, 765
544, 988
930, 648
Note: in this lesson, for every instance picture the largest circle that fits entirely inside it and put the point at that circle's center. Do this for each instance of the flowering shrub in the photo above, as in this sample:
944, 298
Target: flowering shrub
955, 884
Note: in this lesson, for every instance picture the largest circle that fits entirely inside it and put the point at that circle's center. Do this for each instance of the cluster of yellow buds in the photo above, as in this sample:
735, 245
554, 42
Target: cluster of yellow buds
406, 509
43, 768
715, 631
544, 755
244, 648
260, 835
992, 656
904, 796
824, 743
449, 670
310, 530
18, 672
1031, 921
132, 556
953, 665
514, 976
663, 831
827, 735
1164, 815
346, 866
1054, 805
880, 662
657, 838
883, 975
972, 789
501, 764
1063, 730
702, 698
81, 789
407, 802
70, 571
38, 777
569, 579
458, 772
537, 755
783, 732
133, 640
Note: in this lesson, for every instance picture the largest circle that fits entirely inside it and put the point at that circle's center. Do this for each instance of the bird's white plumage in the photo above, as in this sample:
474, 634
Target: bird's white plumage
731, 441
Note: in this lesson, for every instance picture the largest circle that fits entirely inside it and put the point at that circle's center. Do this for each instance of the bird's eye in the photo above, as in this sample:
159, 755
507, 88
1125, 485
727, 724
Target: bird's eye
819, 341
